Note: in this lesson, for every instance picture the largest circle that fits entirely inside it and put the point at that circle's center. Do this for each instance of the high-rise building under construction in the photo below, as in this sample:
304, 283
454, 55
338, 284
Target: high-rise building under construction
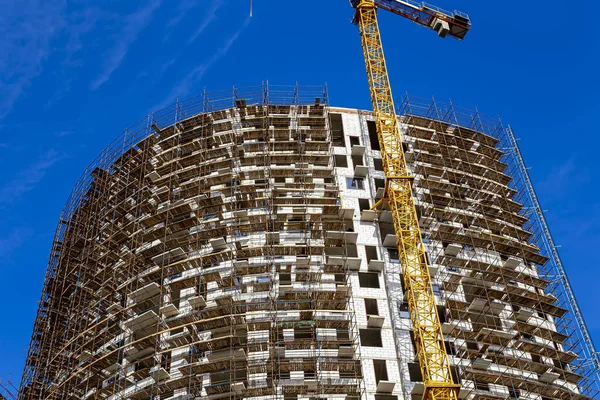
228, 247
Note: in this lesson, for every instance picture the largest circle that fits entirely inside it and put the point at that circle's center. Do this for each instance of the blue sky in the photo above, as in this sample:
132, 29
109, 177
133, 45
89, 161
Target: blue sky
74, 74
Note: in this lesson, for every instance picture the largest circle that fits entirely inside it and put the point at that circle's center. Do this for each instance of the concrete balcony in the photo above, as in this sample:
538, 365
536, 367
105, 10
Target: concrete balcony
390, 241
84, 356
346, 213
197, 302
311, 383
168, 310
376, 265
159, 374
142, 322
497, 333
358, 150
145, 292
481, 305
350, 262
153, 176
375, 321
481, 363
426, 222
286, 289
361, 170
225, 355
368, 215
512, 262
452, 249
548, 376
385, 387
302, 262
348, 237
238, 387
169, 256
524, 314
218, 244
433, 270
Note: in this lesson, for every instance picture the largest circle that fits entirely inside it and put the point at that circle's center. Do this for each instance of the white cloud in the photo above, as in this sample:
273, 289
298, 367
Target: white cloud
132, 27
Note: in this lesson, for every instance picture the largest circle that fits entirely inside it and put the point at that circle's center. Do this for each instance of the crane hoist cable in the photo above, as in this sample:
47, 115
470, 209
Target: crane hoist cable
429, 341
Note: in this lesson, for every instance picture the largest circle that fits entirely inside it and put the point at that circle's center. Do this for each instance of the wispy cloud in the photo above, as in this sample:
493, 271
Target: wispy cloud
13, 240
27, 28
28, 178
64, 133
562, 176
210, 17
81, 23
132, 27
182, 10
192, 78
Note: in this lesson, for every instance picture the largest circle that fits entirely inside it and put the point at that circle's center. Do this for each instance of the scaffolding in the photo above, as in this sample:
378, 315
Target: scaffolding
510, 320
204, 254
211, 251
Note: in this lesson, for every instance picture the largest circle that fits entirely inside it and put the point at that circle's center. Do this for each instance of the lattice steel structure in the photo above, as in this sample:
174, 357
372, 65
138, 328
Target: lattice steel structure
224, 248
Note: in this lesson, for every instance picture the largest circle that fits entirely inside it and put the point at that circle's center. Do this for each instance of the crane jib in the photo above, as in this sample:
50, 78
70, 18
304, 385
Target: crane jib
455, 24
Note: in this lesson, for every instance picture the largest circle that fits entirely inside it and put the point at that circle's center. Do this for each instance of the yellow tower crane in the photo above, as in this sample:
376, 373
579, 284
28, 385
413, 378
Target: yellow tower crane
434, 362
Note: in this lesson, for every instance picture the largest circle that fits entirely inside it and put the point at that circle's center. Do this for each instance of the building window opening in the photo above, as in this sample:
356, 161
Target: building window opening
355, 183
371, 252
414, 372
364, 204
337, 130
394, 256
341, 161
380, 368
358, 160
371, 337
403, 311
371, 307
373, 138
368, 280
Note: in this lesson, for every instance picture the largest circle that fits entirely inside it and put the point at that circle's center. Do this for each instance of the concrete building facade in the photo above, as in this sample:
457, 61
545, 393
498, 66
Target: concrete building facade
225, 248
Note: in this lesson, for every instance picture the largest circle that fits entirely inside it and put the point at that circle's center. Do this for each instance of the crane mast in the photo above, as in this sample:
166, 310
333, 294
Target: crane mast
429, 341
